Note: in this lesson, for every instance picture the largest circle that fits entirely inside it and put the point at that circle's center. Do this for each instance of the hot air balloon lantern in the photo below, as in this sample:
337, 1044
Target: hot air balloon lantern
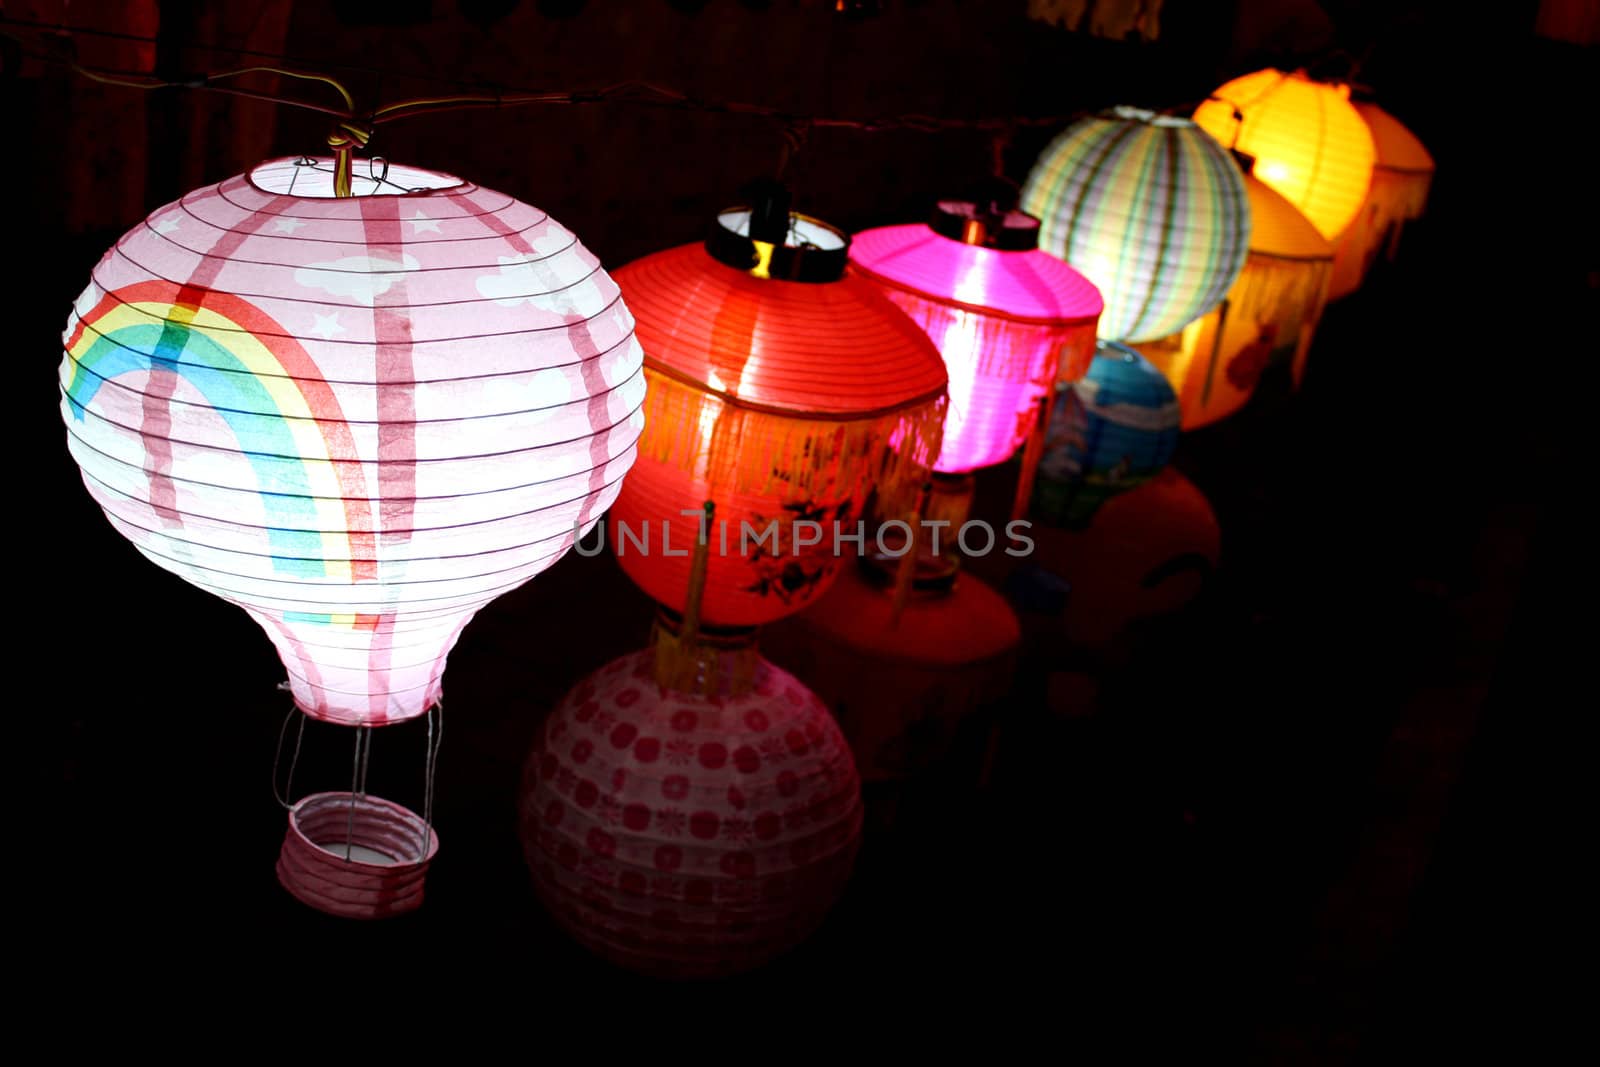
360, 418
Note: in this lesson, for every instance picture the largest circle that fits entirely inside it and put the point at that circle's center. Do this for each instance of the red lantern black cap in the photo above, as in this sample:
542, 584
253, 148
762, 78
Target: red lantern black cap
768, 240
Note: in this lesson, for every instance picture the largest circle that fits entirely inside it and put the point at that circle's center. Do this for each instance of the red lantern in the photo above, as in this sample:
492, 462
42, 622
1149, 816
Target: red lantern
685, 835
780, 389
901, 686
1147, 553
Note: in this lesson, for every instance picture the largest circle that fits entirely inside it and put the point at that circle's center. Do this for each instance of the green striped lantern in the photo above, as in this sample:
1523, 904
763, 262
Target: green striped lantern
1151, 209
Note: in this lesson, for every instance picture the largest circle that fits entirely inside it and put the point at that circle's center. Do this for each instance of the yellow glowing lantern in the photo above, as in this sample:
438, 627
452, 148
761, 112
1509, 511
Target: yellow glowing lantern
1399, 192
1307, 140
1268, 316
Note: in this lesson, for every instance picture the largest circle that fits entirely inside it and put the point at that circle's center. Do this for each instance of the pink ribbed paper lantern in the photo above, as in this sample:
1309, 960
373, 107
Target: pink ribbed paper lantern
686, 836
360, 419
1008, 319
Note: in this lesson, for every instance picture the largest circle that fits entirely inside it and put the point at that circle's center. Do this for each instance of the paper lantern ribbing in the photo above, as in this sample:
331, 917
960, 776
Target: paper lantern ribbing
1150, 209
358, 418
1401, 177
1269, 316
1308, 143
683, 836
1110, 432
781, 389
1007, 318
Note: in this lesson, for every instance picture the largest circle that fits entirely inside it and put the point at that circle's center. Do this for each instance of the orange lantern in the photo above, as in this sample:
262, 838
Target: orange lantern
1269, 315
1307, 141
1401, 178
782, 390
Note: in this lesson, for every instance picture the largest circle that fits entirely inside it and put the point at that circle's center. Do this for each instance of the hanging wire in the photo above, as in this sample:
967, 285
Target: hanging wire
283, 798
355, 778
366, 759
634, 92
795, 135
998, 145
431, 765
139, 80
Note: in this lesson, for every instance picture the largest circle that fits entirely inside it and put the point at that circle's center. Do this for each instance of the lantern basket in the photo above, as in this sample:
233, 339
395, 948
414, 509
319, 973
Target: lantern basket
356, 856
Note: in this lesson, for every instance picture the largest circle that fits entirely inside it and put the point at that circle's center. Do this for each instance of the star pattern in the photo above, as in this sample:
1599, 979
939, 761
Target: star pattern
287, 225
167, 224
326, 325
423, 224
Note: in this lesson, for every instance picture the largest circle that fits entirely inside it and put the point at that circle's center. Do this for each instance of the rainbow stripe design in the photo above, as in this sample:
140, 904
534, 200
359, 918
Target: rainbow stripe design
285, 417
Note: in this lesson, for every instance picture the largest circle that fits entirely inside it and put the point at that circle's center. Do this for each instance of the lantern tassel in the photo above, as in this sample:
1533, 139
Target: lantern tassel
1216, 351
806, 455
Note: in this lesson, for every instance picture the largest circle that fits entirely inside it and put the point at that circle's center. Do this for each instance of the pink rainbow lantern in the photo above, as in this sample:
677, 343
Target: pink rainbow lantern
687, 836
1008, 319
358, 418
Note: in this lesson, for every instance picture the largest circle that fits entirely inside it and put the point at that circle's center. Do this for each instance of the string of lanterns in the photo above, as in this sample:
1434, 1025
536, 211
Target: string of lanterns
362, 406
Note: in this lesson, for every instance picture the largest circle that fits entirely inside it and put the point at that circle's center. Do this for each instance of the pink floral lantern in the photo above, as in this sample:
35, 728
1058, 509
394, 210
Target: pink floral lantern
684, 835
359, 418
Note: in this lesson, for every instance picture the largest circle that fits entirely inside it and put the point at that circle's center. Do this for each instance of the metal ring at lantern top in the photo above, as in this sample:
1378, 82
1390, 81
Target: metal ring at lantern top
964, 221
808, 262
356, 888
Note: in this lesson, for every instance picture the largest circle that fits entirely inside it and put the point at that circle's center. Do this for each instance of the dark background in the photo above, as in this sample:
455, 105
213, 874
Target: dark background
1310, 819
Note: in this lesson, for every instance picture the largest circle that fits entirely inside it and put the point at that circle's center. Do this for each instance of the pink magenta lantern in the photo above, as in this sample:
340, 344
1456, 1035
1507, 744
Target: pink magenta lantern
359, 418
1008, 319
689, 836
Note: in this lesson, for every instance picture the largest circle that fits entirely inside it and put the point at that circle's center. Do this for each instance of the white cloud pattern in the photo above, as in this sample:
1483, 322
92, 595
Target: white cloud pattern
535, 280
361, 278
